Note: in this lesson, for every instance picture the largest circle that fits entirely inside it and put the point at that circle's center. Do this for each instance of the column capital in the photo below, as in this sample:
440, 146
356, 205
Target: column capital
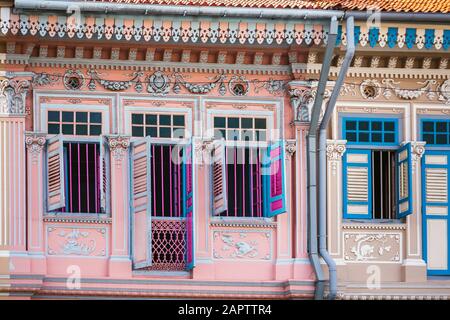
35, 142
118, 145
290, 147
417, 151
335, 149
13, 94
301, 98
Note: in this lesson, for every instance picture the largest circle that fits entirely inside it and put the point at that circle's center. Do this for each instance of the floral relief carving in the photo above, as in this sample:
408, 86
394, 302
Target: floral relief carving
376, 247
335, 150
75, 241
301, 102
13, 94
240, 244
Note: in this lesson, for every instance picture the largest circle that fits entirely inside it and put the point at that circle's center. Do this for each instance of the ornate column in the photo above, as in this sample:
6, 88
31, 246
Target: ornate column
414, 267
301, 99
13, 92
35, 144
119, 262
335, 151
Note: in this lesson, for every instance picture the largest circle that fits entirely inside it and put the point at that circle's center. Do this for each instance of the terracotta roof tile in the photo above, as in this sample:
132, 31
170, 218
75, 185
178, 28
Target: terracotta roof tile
433, 6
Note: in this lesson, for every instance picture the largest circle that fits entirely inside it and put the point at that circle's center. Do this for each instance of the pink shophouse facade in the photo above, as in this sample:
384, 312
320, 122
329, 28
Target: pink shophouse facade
146, 152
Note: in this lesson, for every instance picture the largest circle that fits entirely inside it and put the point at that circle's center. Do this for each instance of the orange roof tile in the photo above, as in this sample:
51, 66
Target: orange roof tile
431, 6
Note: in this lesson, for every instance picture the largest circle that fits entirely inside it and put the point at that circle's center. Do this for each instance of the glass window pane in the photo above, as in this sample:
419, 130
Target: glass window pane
389, 126
350, 125
377, 137
95, 130
95, 117
150, 119
233, 122
428, 138
246, 123
363, 125
376, 126
151, 131
137, 118
53, 128
67, 128
178, 121
82, 129
363, 137
351, 136
53, 116
441, 126
260, 123
164, 119
389, 137
164, 132
219, 122
67, 116
428, 126
137, 131
441, 139
81, 117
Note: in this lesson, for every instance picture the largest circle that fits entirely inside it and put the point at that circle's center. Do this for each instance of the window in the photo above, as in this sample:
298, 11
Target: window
436, 132
77, 176
370, 131
162, 205
376, 181
248, 172
81, 123
157, 125
240, 128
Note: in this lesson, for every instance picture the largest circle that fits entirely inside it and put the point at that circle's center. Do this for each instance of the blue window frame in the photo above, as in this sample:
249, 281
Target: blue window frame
370, 131
435, 132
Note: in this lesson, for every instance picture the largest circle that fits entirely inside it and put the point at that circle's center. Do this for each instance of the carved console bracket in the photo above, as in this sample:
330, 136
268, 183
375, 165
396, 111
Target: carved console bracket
35, 143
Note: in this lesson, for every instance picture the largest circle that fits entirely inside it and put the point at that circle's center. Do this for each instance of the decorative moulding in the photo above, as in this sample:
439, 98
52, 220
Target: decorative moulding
374, 226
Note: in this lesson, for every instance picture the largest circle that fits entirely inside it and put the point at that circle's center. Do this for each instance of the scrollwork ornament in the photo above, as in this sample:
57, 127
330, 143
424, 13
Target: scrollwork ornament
13, 95
35, 143
158, 84
119, 147
239, 85
335, 150
417, 151
444, 92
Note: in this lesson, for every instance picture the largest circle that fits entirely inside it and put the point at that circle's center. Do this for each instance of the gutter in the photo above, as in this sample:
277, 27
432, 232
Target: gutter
234, 12
311, 169
323, 161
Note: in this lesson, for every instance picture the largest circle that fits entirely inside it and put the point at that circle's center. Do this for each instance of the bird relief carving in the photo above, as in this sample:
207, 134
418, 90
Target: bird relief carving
240, 249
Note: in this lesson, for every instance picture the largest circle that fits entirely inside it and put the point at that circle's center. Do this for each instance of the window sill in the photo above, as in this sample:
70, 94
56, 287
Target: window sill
78, 218
394, 224
243, 222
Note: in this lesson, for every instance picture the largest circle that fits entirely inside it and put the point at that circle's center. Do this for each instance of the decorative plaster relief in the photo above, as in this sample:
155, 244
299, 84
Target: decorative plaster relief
335, 151
35, 143
242, 245
301, 101
77, 241
119, 147
372, 247
13, 94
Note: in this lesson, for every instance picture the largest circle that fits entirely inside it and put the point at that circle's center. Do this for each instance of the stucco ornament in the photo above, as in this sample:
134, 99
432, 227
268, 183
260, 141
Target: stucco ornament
119, 147
290, 148
198, 88
73, 80
370, 89
35, 143
239, 85
444, 92
43, 79
111, 84
158, 84
274, 87
363, 247
335, 150
12, 96
417, 151
301, 102
408, 94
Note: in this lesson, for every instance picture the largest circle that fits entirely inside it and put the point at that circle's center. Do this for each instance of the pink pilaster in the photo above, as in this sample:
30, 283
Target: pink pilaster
119, 262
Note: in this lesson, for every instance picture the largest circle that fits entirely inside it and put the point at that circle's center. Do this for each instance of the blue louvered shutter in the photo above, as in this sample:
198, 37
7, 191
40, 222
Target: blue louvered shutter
404, 178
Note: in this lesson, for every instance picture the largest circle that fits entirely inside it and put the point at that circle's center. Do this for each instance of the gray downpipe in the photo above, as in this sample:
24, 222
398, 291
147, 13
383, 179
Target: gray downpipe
311, 163
323, 162
235, 12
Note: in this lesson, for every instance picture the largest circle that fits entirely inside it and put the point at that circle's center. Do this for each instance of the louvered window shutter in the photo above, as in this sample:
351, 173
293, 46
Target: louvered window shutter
357, 178
188, 202
55, 174
141, 203
404, 176
219, 178
274, 177
436, 180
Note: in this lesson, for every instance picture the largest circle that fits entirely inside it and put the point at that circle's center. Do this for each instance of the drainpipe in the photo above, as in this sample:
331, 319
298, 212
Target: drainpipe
312, 170
323, 161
